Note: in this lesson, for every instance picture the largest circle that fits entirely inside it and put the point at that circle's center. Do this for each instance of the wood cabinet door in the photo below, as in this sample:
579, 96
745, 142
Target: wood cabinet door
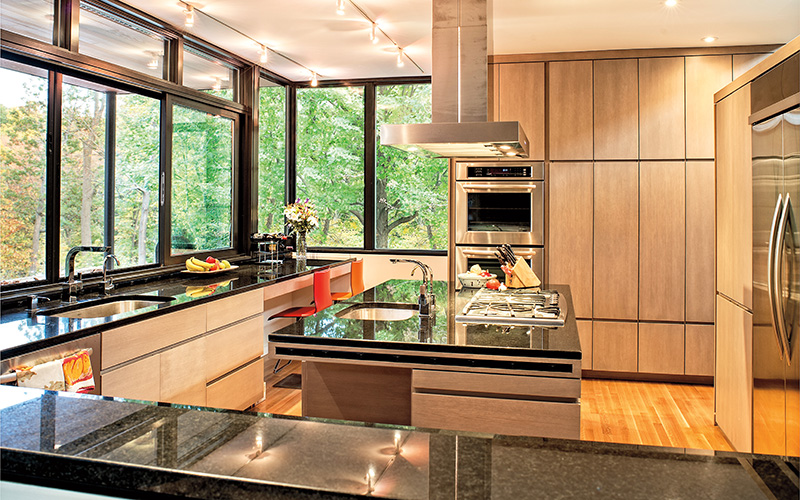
662, 249
570, 110
734, 184
234, 346
238, 390
661, 348
661, 109
733, 374
520, 97
225, 311
585, 335
614, 346
700, 241
570, 235
183, 376
139, 380
616, 109
705, 75
699, 350
616, 240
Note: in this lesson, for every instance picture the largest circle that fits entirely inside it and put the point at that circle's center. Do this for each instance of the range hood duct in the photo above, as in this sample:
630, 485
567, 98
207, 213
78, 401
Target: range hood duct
459, 125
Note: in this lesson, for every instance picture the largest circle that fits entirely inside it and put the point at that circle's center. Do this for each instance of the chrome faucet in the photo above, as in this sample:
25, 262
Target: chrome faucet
108, 282
426, 299
69, 264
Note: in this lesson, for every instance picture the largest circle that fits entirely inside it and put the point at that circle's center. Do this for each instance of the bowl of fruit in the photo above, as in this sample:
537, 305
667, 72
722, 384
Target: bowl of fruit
210, 265
476, 277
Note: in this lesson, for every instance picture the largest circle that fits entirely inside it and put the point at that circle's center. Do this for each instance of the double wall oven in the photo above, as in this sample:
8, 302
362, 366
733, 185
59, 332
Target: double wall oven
498, 203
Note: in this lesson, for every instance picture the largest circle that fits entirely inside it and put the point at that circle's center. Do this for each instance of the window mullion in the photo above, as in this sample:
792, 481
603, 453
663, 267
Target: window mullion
369, 166
110, 168
53, 176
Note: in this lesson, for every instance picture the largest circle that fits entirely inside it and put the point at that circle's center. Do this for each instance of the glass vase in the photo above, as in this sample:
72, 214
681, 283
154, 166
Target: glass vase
302, 249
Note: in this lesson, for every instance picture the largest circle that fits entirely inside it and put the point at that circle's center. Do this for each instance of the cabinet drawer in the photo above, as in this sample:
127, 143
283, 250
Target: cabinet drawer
481, 383
496, 416
182, 380
234, 346
138, 339
226, 311
139, 380
239, 390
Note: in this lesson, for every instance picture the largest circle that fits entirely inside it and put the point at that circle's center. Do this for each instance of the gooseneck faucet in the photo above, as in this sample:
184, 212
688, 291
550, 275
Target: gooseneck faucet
426, 299
69, 265
108, 282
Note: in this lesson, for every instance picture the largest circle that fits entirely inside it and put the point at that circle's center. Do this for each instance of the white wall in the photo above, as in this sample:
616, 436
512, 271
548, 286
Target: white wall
378, 269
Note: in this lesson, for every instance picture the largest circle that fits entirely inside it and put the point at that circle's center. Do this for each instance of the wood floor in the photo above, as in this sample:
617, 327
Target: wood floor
646, 413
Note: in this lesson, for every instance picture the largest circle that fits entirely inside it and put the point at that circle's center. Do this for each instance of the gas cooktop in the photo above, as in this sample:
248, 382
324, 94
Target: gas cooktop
522, 306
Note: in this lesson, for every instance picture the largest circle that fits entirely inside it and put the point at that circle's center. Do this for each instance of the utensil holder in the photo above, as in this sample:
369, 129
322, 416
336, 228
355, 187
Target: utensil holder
522, 276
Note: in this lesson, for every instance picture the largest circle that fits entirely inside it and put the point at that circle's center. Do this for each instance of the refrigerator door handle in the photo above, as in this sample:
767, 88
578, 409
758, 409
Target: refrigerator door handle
771, 276
786, 220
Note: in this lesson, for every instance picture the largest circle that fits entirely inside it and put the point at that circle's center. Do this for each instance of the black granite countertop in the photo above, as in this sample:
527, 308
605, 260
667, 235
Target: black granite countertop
21, 333
133, 449
439, 333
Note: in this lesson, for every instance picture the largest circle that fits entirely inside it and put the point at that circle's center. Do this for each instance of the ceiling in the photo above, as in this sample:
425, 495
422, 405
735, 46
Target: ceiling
338, 46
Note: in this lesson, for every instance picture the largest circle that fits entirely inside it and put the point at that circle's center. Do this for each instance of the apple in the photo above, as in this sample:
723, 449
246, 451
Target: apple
214, 267
493, 284
210, 259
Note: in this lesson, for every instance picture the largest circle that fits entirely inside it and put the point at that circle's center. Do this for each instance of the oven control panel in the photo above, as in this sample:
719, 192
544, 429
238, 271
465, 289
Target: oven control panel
499, 170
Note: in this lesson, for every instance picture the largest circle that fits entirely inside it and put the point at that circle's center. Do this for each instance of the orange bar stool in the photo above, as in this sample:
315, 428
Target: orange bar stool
322, 298
356, 281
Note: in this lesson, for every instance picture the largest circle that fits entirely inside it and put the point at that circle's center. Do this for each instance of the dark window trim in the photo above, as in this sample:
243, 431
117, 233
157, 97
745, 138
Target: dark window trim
377, 251
53, 178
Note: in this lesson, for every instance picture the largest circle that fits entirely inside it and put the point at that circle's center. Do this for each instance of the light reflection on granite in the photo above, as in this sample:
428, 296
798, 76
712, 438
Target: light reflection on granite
208, 453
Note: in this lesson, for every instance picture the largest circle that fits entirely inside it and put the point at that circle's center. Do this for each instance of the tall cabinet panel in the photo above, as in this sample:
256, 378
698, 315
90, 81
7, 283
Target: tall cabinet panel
570, 110
661, 109
520, 98
570, 233
616, 243
700, 241
705, 75
662, 250
734, 198
616, 109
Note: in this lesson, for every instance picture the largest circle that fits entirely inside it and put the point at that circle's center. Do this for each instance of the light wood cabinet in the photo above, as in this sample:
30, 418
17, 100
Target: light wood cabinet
225, 311
700, 241
585, 335
661, 109
570, 110
733, 374
616, 243
616, 109
238, 390
699, 350
662, 250
570, 235
705, 75
661, 348
520, 97
234, 346
614, 346
138, 380
734, 198
743, 62
183, 379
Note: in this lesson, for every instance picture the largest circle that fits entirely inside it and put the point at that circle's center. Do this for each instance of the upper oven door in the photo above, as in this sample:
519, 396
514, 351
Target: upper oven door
497, 212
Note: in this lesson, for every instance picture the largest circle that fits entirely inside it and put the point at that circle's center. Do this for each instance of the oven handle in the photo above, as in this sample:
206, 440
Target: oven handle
515, 188
527, 254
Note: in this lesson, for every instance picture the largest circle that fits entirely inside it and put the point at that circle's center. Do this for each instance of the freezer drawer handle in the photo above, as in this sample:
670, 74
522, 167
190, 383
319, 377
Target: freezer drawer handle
786, 220
771, 277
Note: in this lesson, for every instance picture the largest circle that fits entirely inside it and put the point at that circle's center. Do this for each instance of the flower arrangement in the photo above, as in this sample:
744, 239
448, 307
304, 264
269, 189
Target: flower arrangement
302, 215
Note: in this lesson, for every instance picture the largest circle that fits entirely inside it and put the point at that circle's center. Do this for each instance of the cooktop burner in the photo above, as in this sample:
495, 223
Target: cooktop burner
524, 306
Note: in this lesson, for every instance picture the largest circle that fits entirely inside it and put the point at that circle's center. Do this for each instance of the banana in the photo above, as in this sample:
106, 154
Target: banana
205, 265
198, 291
191, 266
225, 264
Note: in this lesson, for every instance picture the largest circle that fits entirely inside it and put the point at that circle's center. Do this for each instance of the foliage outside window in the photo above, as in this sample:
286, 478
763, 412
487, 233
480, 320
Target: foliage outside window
202, 181
23, 127
32, 18
410, 191
111, 38
330, 162
271, 156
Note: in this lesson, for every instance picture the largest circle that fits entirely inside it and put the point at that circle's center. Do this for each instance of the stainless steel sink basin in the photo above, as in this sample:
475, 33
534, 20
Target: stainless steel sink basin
103, 308
379, 311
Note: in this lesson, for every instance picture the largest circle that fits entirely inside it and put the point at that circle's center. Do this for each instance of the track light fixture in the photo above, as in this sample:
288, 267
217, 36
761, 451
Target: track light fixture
189, 13
314, 81
340, 7
264, 54
400, 62
373, 33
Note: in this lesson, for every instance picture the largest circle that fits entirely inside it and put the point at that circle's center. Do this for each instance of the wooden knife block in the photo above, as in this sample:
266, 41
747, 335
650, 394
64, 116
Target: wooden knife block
522, 276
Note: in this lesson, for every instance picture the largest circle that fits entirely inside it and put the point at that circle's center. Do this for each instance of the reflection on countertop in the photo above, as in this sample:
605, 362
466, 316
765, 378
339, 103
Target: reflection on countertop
132, 448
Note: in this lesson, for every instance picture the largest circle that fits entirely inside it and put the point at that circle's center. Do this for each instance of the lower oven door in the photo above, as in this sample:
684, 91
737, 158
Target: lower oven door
496, 212
467, 257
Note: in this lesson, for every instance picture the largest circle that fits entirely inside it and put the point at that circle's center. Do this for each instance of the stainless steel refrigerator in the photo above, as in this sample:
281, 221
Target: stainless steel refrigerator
775, 118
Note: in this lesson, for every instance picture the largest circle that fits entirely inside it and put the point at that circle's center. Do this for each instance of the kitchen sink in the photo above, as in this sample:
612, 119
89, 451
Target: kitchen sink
379, 311
102, 308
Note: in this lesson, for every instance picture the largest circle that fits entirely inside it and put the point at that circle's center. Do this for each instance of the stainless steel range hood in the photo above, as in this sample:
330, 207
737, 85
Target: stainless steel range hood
459, 125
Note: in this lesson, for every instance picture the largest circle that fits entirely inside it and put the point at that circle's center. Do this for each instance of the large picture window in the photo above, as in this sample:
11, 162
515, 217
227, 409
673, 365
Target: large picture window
271, 156
202, 180
330, 162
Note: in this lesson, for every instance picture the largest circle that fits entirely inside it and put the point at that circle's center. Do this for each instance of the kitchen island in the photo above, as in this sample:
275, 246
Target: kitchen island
433, 371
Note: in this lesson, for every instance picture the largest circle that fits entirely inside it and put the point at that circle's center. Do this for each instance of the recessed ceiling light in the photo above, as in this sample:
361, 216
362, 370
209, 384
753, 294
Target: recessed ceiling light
670, 3
709, 39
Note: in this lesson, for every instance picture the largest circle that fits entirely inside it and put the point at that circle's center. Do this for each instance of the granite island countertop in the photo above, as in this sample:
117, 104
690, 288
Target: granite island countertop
133, 449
